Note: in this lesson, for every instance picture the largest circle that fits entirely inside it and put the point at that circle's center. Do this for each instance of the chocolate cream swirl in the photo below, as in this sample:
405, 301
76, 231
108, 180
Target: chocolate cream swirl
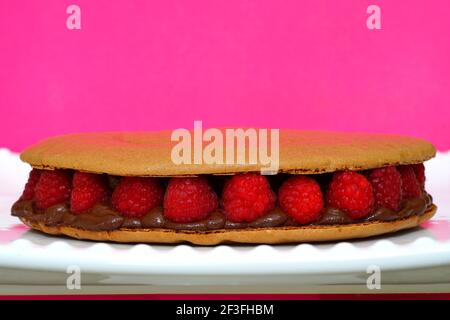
102, 217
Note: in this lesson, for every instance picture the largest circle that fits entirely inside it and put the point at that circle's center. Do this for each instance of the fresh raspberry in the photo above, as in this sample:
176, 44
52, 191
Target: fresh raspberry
301, 198
410, 185
246, 197
52, 188
189, 199
351, 192
136, 196
87, 190
33, 178
387, 187
419, 170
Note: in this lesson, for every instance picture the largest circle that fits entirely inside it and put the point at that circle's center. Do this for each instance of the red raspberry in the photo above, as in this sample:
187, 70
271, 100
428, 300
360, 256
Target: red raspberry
33, 178
410, 185
136, 196
246, 197
387, 187
87, 190
189, 199
52, 188
301, 198
419, 170
351, 192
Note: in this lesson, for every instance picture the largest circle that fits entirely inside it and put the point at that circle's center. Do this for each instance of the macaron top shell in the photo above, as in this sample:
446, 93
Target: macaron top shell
149, 153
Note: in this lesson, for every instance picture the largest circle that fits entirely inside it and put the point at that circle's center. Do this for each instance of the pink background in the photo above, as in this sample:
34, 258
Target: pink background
147, 65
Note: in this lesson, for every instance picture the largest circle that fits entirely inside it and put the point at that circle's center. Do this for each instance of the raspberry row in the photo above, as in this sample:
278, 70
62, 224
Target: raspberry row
244, 197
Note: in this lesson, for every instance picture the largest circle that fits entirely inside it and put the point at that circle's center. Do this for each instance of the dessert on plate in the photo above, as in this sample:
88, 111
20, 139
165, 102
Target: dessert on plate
124, 187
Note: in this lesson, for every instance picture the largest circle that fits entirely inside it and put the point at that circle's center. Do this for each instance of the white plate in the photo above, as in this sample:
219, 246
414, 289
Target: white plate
421, 255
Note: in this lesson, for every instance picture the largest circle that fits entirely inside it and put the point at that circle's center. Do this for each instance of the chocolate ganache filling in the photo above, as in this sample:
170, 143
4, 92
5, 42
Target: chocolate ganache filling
103, 217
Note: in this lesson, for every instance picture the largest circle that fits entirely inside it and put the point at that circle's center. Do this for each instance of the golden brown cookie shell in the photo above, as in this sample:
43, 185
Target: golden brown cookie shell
149, 153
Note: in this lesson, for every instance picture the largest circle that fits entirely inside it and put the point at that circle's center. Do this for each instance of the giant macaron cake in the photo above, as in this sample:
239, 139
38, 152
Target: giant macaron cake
124, 187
